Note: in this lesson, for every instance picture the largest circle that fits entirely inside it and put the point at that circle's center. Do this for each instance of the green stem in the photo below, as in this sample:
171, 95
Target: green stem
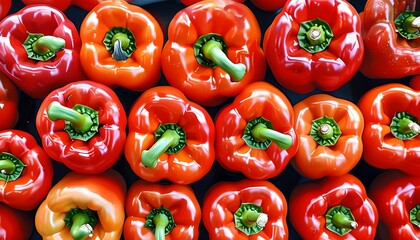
261, 132
7, 166
161, 221
411, 24
81, 228
314, 35
407, 24
251, 218
169, 138
48, 43
340, 220
212, 50
80, 122
325, 131
415, 215
80, 222
404, 126
121, 42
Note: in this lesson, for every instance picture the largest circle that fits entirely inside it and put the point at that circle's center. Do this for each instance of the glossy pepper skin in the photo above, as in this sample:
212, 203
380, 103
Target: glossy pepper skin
82, 205
333, 208
5, 7
40, 47
261, 4
314, 44
169, 137
246, 209
330, 136
390, 137
83, 126
158, 211
397, 198
255, 133
14, 224
388, 54
121, 46
9, 100
26, 171
213, 51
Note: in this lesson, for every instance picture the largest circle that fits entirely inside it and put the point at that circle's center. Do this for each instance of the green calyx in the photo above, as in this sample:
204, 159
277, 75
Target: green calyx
250, 219
42, 48
11, 167
340, 220
314, 35
404, 126
170, 139
160, 221
120, 43
408, 24
325, 131
210, 51
259, 133
415, 215
82, 122
81, 222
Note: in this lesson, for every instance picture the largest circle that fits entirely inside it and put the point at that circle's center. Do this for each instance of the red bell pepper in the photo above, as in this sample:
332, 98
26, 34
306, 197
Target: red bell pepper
121, 46
14, 224
5, 7
40, 50
213, 51
255, 134
314, 44
391, 39
83, 206
62, 5
246, 209
333, 208
9, 102
391, 136
26, 171
161, 212
83, 126
330, 136
397, 197
266, 5
169, 137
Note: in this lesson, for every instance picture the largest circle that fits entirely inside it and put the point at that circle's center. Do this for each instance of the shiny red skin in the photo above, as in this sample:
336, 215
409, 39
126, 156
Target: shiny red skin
382, 149
302, 72
36, 78
310, 201
101, 151
224, 198
26, 192
259, 99
5, 7
9, 103
395, 194
15, 224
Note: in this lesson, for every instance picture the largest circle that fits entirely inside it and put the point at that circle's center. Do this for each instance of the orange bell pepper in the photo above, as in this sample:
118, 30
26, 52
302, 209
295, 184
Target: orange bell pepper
121, 46
330, 135
82, 205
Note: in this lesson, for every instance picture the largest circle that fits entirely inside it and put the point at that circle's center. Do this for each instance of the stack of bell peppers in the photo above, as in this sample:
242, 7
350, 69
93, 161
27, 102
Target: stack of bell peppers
209, 119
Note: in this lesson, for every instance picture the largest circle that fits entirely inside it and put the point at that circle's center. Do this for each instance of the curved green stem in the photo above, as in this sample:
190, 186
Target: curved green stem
48, 43
161, 221
408, 24
169, 138
340, 220
404, 126
11, 167
212, 50
120, 43
261, 132
80, 122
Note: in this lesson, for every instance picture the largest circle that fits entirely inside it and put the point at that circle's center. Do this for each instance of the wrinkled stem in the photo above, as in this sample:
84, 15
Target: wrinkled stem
81, 229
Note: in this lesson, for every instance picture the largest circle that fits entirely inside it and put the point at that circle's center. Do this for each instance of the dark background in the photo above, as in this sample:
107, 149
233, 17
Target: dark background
164, 11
